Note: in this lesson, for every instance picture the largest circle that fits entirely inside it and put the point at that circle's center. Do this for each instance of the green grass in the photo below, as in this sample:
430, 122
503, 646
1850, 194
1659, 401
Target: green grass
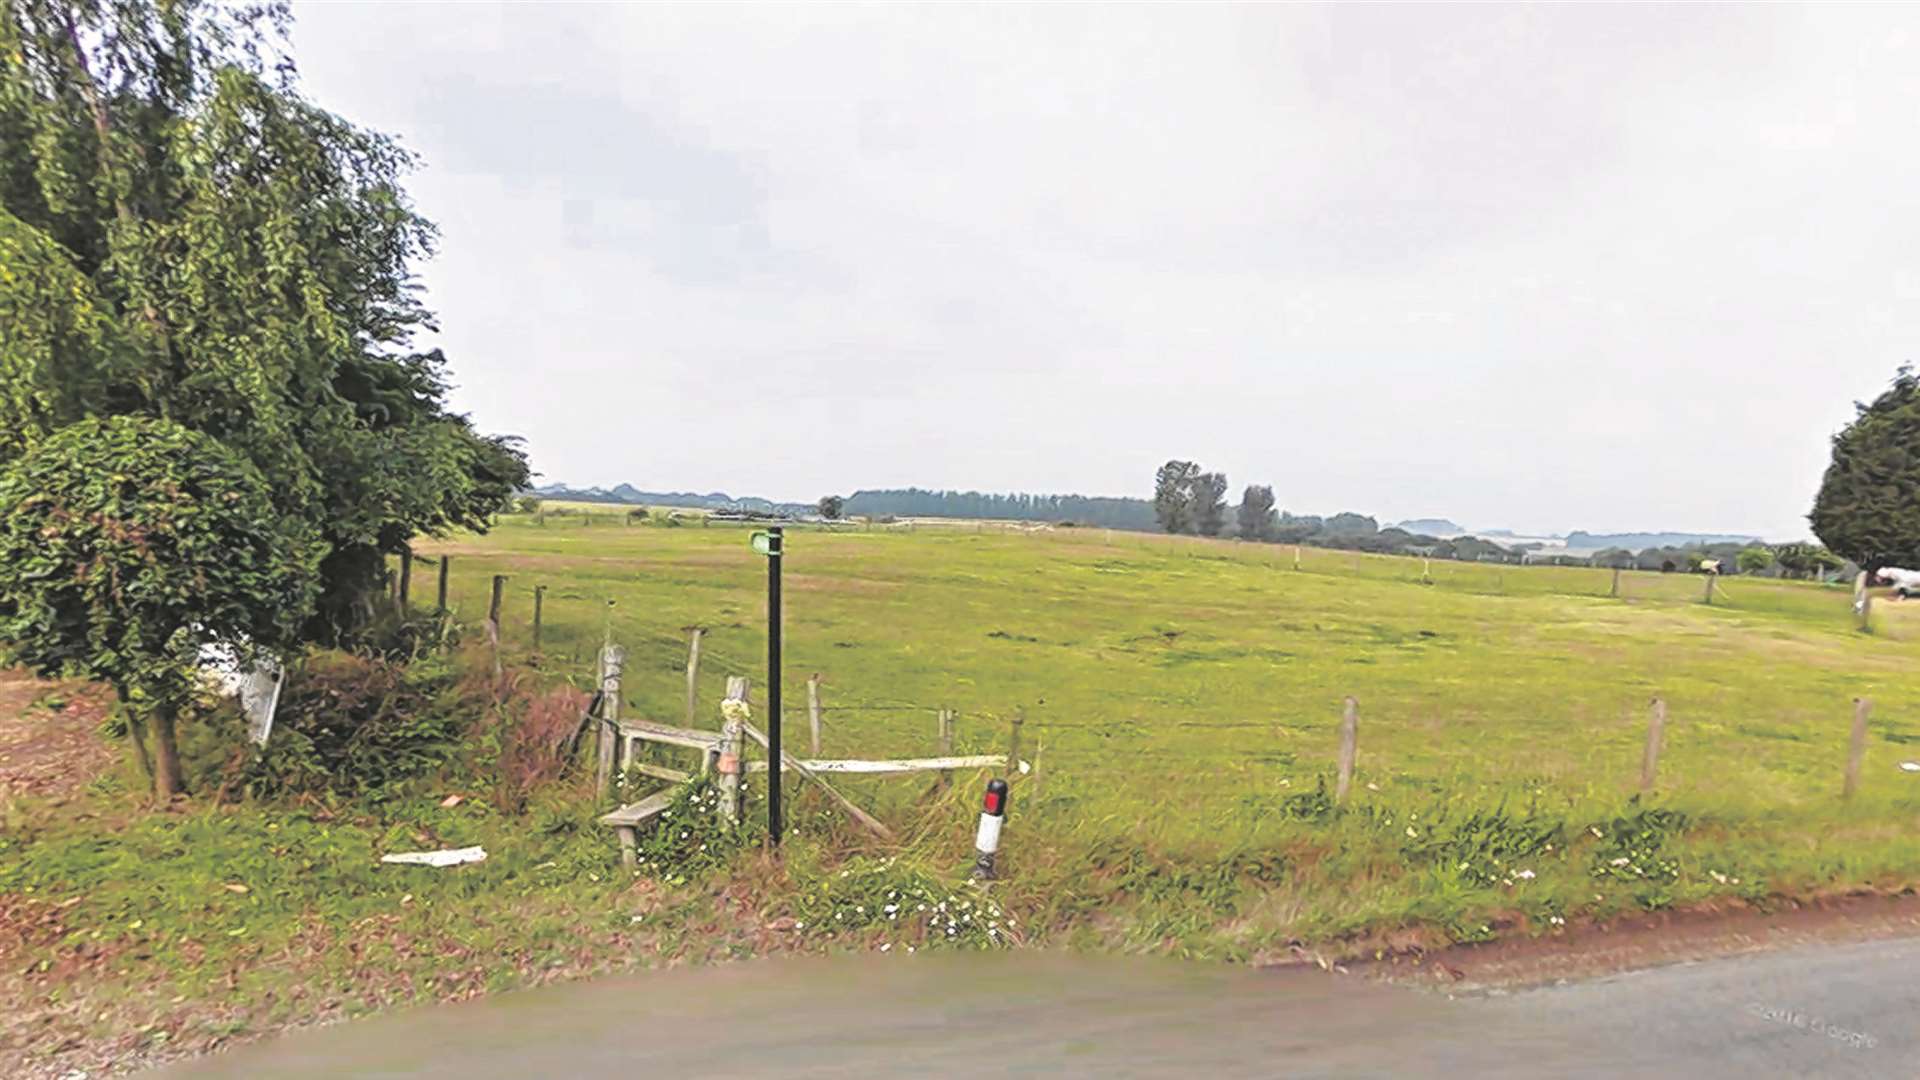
1181, 702
1181, 695
1140, 661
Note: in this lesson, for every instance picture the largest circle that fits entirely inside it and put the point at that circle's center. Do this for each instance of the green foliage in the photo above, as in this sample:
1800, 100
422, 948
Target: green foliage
1113, 513
1753, 560
1635, 848
1315, 805
1482, 846
1868, 507
832, 506
1805, 559
1256, 512
1209, 503
352, 725
692, 838
902, 904
1173, 496
185, 236
127, 545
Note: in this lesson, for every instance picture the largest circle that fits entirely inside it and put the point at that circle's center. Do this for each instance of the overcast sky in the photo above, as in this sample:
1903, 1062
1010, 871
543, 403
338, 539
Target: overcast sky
1546, 268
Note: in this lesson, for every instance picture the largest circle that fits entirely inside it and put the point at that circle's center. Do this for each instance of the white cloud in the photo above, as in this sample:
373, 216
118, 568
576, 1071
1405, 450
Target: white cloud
1543, 266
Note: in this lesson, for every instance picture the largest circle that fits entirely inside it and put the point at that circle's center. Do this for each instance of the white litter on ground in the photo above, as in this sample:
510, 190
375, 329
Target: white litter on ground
1910, 766
443, 857
257, 685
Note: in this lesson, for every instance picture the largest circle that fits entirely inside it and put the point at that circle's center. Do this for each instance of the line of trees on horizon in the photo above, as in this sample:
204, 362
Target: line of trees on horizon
1094, 510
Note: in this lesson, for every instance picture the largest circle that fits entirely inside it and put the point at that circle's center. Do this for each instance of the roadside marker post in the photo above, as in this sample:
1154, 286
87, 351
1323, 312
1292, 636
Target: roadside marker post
986, 841
769, 544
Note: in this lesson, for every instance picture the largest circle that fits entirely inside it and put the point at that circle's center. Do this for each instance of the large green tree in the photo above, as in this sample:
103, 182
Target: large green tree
129, 546
1256, 512
1173, 495
184, 236
1209, 503
1868, 507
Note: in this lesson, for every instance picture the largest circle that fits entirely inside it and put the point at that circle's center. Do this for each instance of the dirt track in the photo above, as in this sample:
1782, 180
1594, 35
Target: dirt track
49, 752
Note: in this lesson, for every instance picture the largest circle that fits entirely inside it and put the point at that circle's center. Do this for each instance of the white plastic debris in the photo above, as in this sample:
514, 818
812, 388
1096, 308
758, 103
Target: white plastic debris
256, 685
443, 857
1910, 766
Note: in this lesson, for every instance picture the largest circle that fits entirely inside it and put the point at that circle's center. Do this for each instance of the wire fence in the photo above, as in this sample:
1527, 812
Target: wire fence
1129, 734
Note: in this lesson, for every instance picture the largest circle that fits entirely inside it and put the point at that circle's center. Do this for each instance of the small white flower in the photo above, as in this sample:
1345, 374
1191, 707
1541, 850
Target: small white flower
1524, 875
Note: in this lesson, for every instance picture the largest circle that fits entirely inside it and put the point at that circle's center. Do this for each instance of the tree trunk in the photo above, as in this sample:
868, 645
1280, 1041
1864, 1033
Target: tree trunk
137, 737
166, 773
136, 734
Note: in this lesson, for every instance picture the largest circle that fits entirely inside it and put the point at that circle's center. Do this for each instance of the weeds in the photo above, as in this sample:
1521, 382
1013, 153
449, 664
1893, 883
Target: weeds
888, 903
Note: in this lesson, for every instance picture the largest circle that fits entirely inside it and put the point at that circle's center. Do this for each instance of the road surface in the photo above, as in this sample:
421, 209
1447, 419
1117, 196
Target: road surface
1830, 1011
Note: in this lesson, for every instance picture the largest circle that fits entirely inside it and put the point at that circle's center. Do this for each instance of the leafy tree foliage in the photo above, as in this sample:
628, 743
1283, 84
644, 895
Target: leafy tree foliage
1352, 523
1256, 516
1616, 557
129, 545
1805, 560
831, 507
1173, 495
1868, 507
1209, 503
1081, 509
186, 237
1753, 560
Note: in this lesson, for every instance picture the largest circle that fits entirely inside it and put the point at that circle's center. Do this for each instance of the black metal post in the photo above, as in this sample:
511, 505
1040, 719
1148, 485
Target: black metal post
773, 684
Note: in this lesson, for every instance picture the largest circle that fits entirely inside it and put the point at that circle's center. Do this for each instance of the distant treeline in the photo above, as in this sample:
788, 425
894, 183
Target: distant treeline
1110, 513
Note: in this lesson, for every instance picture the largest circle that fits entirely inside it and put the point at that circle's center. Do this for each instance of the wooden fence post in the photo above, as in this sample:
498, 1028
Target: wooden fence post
406, 575
446, 562
612, 659
1710, 578
732, 761
1656, 740
1856, 747
539, 596
1863, 601
1615, 591
945, 722
493, 620
693, 671
1349, 748
813, 710
1013, 745
1296, 556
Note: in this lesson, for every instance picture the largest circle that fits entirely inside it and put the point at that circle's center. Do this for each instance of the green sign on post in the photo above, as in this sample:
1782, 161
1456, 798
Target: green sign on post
763, 544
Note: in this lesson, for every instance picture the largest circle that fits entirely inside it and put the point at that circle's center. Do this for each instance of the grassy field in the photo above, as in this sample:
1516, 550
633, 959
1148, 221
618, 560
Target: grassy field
1182, 697
1181, 703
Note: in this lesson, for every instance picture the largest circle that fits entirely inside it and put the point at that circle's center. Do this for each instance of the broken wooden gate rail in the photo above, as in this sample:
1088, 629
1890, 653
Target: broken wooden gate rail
722, 751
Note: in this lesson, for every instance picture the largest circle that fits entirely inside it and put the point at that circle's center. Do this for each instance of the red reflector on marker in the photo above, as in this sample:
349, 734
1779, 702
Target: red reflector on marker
993, 802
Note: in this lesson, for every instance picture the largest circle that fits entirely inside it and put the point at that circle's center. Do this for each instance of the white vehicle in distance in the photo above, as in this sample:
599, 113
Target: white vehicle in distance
1905, 583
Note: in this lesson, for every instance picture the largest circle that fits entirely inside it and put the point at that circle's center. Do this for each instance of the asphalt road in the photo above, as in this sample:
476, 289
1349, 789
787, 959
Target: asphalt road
1829, 1011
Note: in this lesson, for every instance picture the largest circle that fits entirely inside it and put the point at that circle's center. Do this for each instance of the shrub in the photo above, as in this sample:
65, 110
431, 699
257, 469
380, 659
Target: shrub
127, 546
352, 725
